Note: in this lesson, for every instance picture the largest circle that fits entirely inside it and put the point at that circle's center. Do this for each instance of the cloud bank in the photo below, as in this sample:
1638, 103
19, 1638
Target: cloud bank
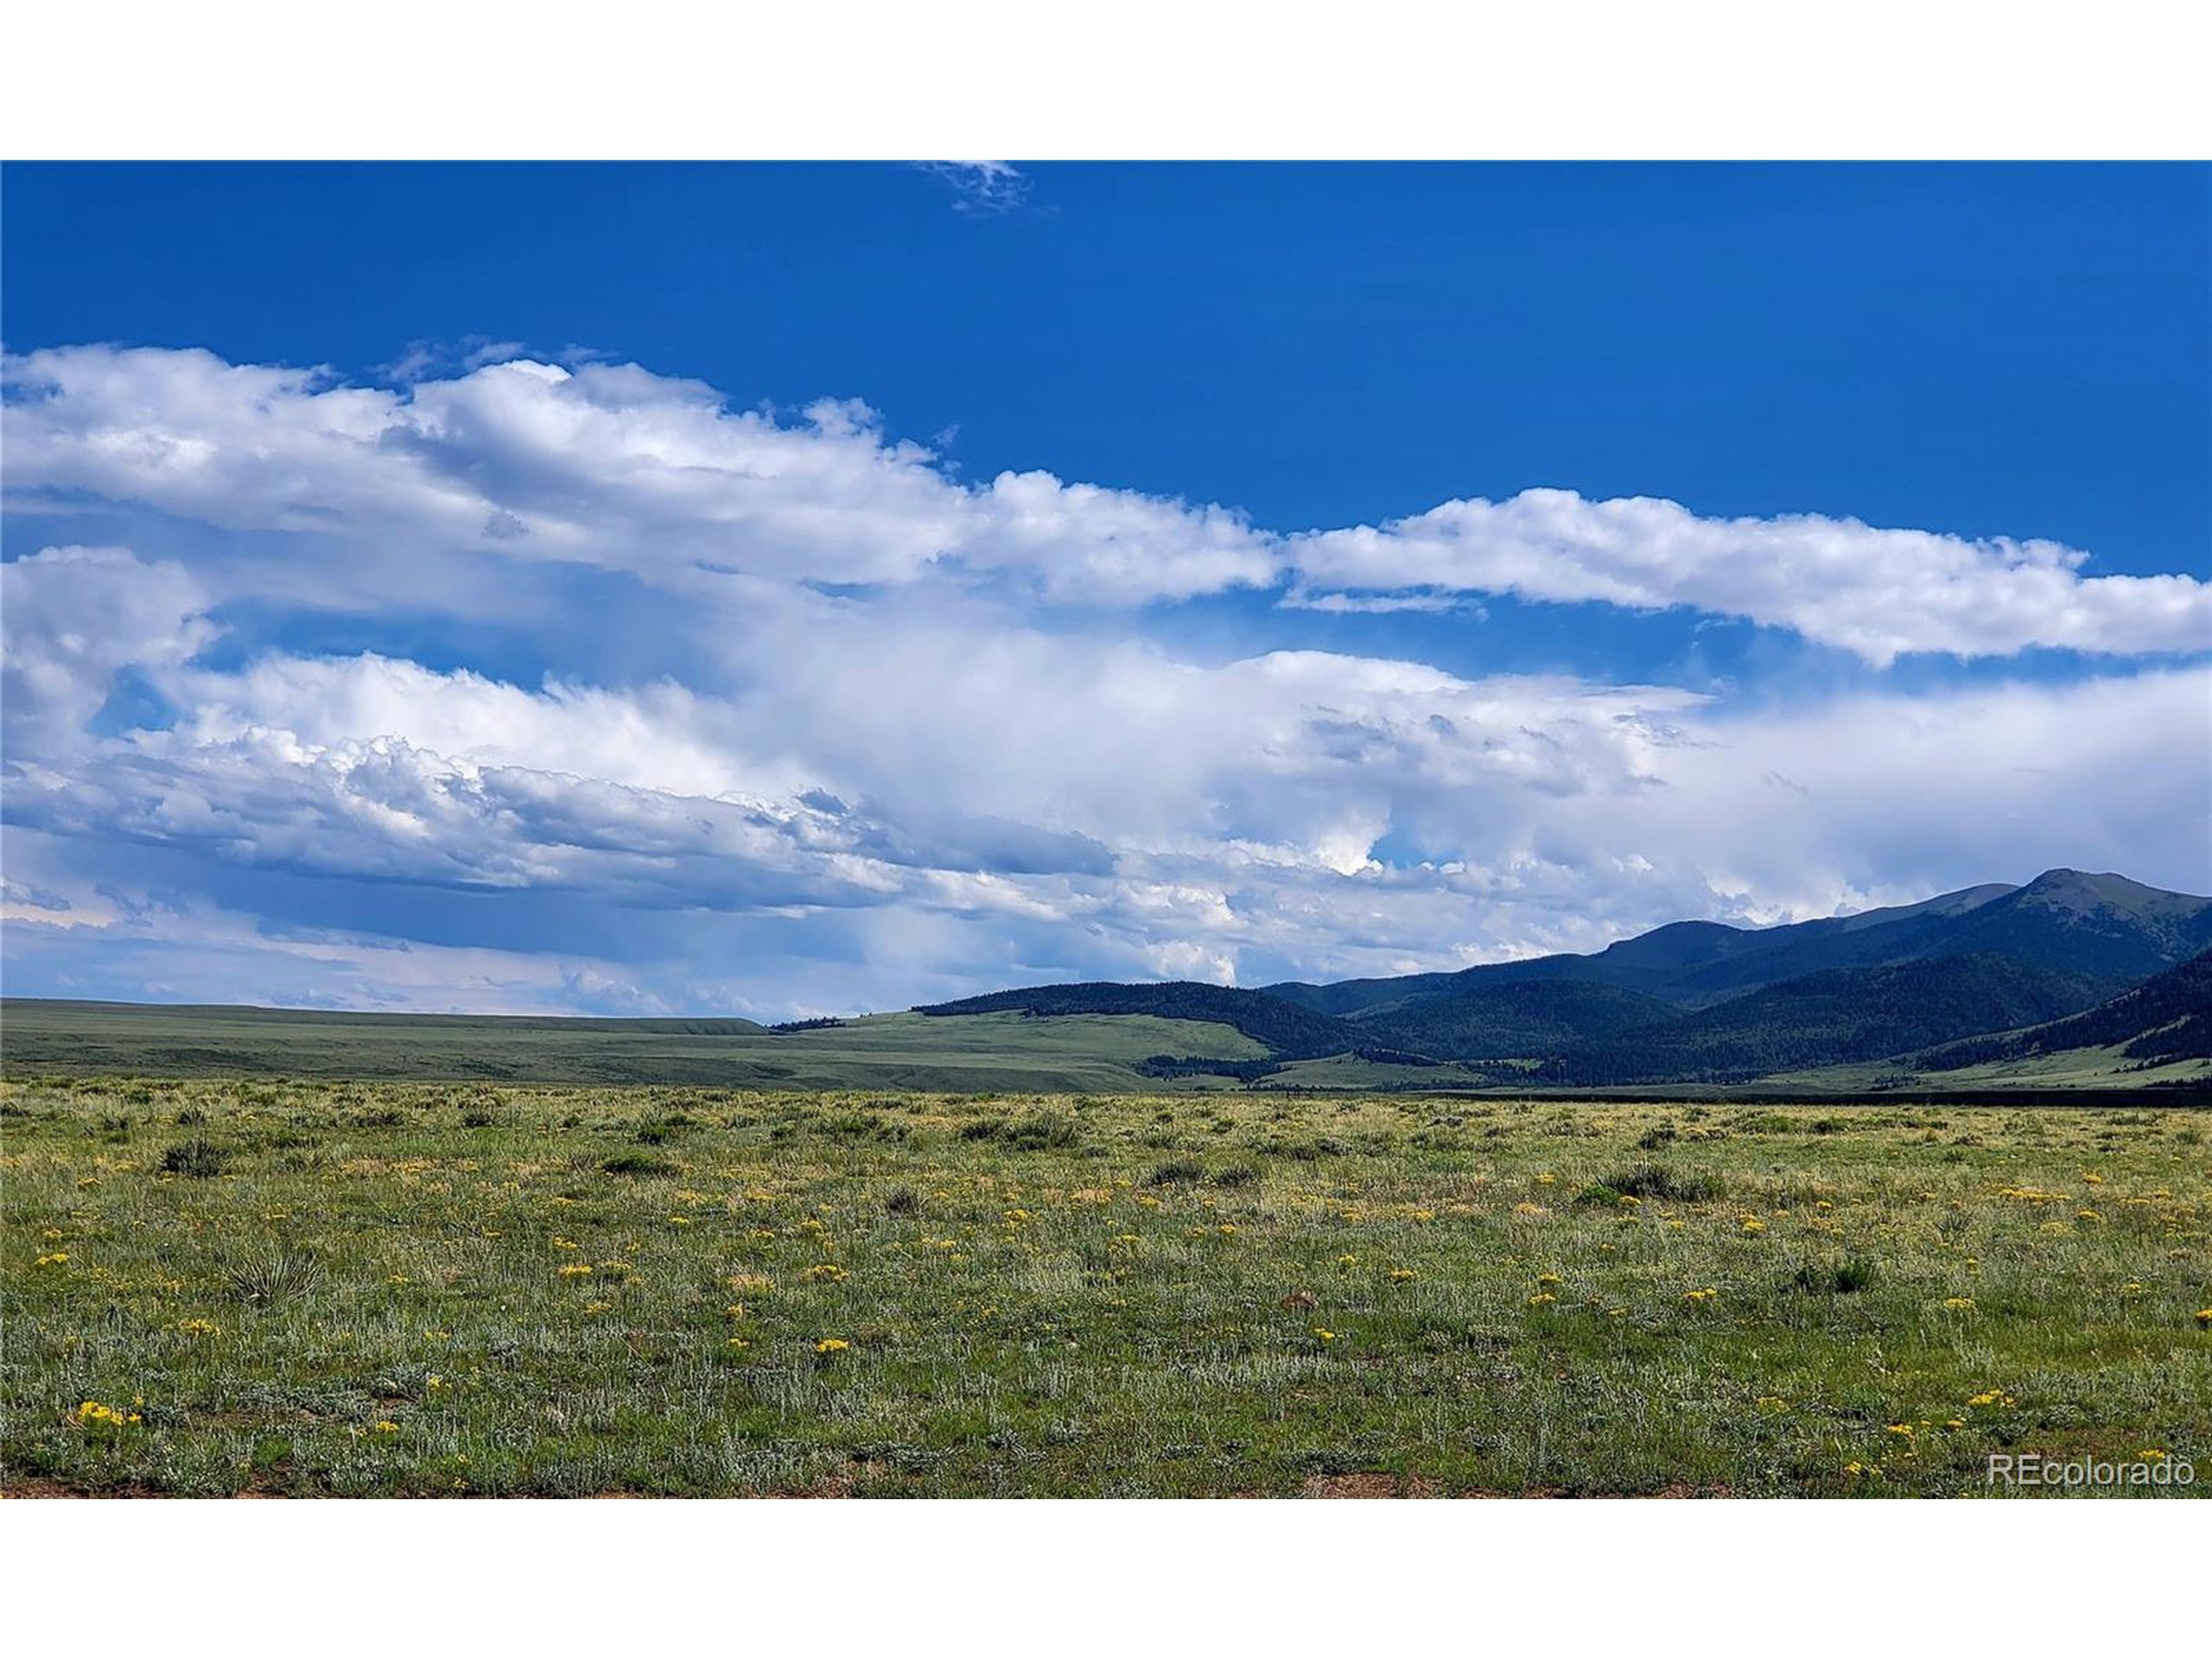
609, 465
814, 724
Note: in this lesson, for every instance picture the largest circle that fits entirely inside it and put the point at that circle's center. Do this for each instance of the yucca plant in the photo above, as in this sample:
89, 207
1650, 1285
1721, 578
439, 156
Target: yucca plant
279, 1276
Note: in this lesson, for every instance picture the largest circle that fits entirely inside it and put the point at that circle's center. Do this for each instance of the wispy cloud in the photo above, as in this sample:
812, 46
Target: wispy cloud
981, 187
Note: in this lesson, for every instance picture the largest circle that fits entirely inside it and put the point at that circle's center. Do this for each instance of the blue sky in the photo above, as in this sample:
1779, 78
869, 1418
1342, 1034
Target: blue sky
794, 589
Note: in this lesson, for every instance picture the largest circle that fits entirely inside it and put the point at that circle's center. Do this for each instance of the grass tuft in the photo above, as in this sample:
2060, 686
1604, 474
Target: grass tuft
1655, 1181
198, 1157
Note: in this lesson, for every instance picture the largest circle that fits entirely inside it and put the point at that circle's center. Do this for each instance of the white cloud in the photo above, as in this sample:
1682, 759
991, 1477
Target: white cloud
983, 187
1877, 592
74, 617
609, 465
874, 735
1102, 808
604, 465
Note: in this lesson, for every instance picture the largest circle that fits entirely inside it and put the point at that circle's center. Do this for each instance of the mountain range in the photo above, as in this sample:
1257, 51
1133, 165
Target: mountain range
1989, 976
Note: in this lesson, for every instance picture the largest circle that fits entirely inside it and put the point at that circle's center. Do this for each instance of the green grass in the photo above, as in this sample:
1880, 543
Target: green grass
897, 1050
358, 1288
2106, 1068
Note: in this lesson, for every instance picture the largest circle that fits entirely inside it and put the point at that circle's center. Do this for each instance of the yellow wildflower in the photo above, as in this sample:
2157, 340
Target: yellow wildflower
831, 1345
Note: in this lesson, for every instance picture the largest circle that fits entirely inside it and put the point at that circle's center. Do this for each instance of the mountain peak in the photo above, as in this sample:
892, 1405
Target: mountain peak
2085, 890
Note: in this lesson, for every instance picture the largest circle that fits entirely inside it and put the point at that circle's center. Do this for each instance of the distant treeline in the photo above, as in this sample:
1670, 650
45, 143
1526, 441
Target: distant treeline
1170, 1066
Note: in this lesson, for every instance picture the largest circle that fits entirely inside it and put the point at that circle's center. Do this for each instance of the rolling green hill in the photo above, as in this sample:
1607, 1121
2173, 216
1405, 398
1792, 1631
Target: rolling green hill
1287, 1031
990, 1052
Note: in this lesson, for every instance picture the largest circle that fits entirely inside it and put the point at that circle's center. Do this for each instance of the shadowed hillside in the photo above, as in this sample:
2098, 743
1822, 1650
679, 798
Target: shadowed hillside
1830, 1018
2168, 1018
1510, 1021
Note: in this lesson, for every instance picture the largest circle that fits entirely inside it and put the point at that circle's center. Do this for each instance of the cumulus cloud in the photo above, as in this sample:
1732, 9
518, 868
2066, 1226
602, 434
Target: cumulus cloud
1877, 592
1117, 812
74, 617
880, 735
610, 466
604, 464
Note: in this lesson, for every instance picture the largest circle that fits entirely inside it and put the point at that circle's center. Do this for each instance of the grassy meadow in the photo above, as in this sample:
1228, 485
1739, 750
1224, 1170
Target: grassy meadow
318, 1287
992, 1052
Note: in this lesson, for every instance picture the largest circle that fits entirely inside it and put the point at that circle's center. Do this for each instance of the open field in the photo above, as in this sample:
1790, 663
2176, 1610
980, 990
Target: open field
969, 1053
888, 1050
2103, 1070
291, 1287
